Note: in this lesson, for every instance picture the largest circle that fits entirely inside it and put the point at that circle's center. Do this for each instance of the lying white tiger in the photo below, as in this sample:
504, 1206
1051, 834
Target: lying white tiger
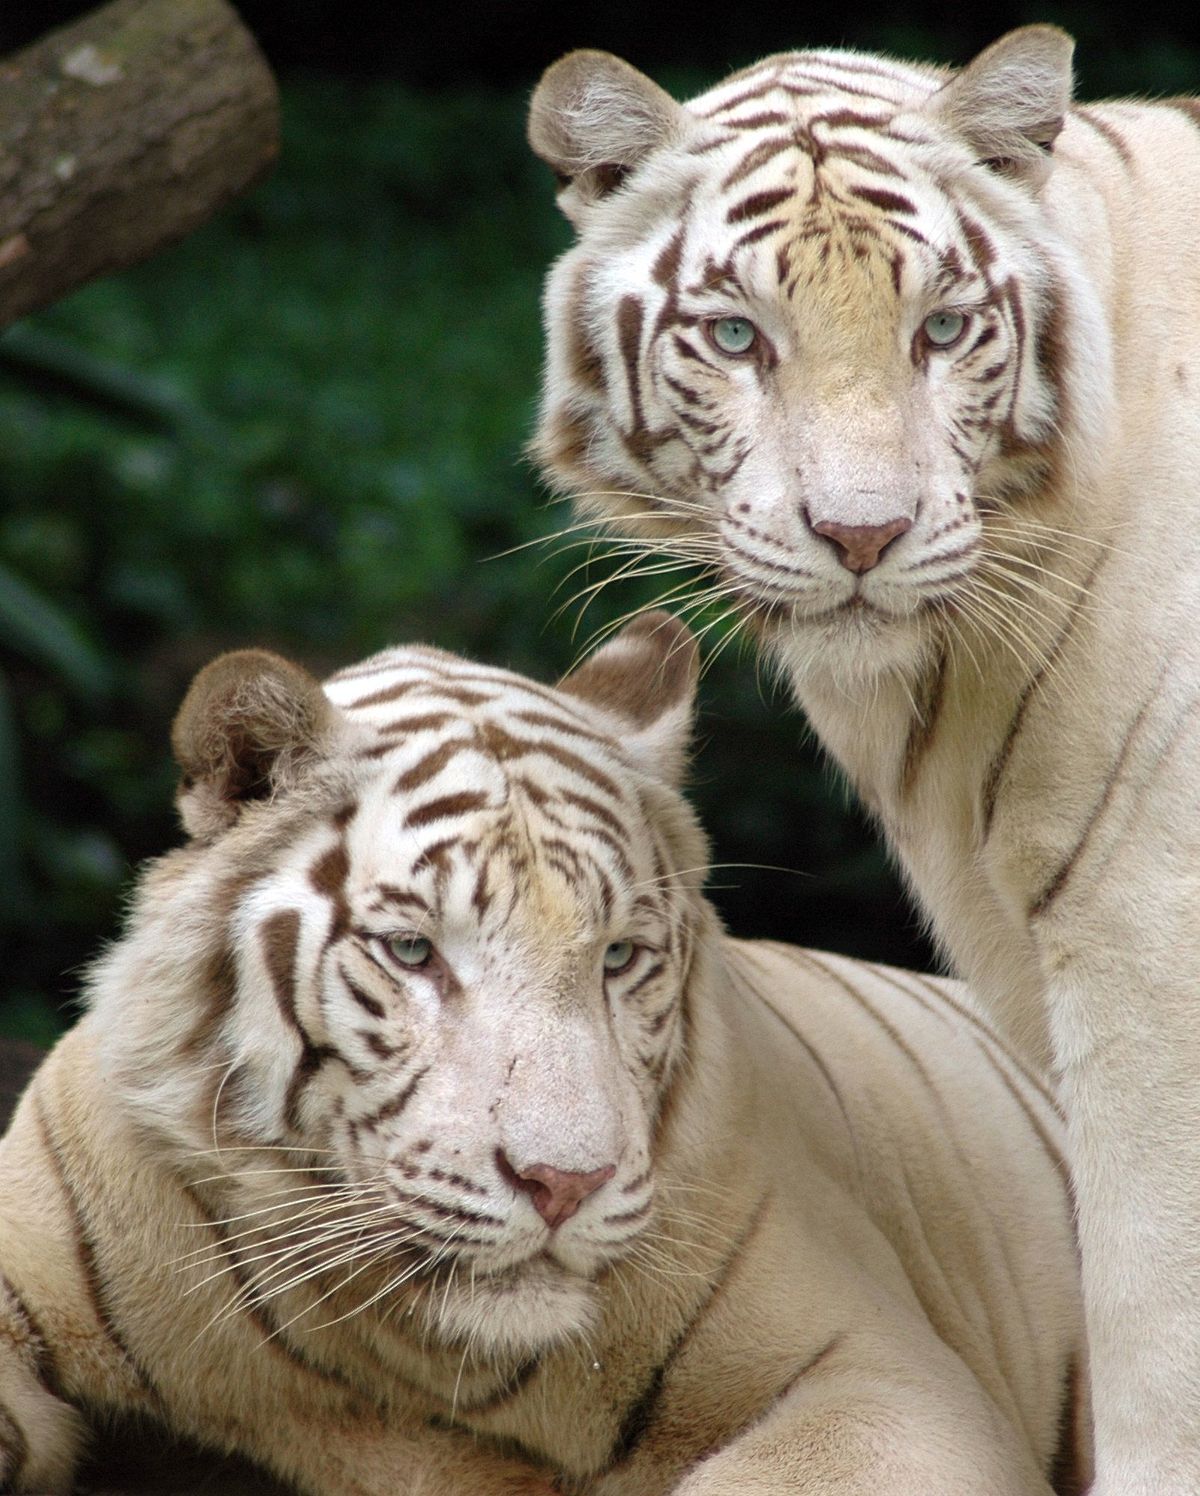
425, 1135
910, 360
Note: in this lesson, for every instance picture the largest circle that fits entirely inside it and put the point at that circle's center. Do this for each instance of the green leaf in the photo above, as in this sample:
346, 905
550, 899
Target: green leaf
34, 627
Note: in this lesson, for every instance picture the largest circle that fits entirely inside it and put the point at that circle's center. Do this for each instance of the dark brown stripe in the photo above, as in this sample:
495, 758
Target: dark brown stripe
430, 766
715, 111
560, 724
762, 120
279, 938
387, 693
1112, 137
444, 807
583, 357
752, 236
1070, 1470
44, 1365
889, 202
757, 204
764, 151
595, 809
395, 1106
818, 1062
640, 1411
809, 959
854, 119
807, 1369
508, 1389
994, 777
217, 972
85, 1251
1058, 881
312, 1057
630, 319
923, 729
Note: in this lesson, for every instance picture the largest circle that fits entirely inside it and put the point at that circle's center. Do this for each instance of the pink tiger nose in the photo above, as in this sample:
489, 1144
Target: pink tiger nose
556, 1193
860, 546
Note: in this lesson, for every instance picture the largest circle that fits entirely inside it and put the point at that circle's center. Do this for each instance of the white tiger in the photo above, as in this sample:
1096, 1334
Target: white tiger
910, 360
425, 1136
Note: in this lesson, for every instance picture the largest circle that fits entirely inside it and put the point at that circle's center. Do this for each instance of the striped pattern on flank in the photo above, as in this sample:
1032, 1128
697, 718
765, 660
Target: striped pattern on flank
40, 1352
640, 1412
91, 1276
994, 776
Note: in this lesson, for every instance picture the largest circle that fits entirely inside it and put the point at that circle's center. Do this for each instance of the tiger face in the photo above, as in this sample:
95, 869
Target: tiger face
805, 338
461, 938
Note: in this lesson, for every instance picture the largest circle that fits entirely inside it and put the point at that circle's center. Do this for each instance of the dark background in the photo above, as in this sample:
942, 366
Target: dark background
303, 427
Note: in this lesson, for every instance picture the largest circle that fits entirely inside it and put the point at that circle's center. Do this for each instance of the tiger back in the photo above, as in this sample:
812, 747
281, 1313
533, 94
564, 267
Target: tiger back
425, 1134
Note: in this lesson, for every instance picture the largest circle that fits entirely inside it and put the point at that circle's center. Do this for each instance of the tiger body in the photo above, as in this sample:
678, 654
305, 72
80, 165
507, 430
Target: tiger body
909, 362
426, 1135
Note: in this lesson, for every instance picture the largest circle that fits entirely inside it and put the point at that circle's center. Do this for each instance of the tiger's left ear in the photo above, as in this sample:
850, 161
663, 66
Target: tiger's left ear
1009, 102
249, 726
645, 678
592, 119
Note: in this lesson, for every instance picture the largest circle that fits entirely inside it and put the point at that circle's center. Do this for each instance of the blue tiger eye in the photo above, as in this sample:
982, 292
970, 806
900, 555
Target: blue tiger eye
944, 328
410, 950
733, 335
618, 955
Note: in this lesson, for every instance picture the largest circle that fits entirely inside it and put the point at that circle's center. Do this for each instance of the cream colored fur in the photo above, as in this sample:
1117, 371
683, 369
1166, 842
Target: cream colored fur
1012, 684
855, 1272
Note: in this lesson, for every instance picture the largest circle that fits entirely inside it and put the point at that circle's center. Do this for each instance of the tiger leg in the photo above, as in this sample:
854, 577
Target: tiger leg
876, 1417
41, 1437
1118, 934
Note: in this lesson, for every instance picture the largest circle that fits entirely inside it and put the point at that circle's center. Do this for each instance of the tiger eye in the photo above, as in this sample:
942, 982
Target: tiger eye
943, 329
410, 950
733, 335
618, 955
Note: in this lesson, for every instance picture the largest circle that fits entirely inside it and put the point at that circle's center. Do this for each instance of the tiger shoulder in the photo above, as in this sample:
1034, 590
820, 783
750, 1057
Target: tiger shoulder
425, 1133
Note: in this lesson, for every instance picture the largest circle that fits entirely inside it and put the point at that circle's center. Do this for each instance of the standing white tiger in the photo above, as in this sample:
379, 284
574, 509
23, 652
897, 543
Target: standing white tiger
910, 360
425, 1136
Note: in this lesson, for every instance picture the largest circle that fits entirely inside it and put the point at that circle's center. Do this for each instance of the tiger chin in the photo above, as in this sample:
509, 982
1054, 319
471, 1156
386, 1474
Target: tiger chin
905, 360
425, 1134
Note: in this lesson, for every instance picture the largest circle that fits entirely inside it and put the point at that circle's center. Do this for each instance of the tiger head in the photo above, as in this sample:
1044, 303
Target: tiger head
433, 935
813, 333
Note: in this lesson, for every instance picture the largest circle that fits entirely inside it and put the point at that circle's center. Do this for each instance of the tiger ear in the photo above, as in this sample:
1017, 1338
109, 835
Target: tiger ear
1010, 101
248, 724
593, 118
646, 679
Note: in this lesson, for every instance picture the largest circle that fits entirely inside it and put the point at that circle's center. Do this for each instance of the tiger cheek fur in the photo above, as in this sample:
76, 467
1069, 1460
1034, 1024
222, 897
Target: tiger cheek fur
905, 360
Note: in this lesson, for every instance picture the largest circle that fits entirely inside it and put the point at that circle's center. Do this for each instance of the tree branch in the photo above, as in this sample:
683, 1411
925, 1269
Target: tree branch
121, 133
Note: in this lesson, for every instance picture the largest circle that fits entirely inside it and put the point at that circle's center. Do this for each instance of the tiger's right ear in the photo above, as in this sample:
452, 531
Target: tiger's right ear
646, 679
593, 118
249, 722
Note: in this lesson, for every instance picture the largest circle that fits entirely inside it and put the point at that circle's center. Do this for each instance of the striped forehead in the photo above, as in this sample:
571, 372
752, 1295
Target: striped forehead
463, 763
802, 149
